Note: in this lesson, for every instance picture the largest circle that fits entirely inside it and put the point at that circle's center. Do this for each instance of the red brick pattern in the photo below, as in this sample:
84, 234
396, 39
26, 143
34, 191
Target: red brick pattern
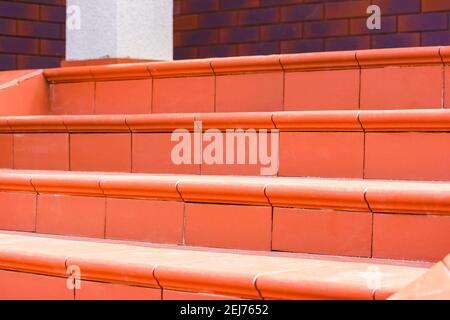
32, 33
211, 28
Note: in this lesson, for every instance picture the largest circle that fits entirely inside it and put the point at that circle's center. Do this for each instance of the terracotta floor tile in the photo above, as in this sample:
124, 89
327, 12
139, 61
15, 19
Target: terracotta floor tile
189, 94
322, 90
320, 154
41, 151
6, 151
411, 237
412, 155
123, 97
402, 88
226, 226
18, 211
71, 215
152, 154
72, 98
322, 231
145, 220
249, 92
100, 152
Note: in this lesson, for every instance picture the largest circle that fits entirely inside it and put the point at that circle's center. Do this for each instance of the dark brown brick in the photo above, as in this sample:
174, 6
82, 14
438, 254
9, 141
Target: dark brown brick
52, 47
188, 22
303, 12
52, 2
346, 9
327, 28
198, 37
38, 29
259, 48
238, 4
281, 31
435, 5
295, 46
347, 43
398, 7
259, 16
239, 35
37, 62
53, 14
396, 40
19, 45
217, 51
218, 19
7, 62
198, 6
279, 2
7, 27
10, 9
185, 53
423, 22
177, 7
436, 38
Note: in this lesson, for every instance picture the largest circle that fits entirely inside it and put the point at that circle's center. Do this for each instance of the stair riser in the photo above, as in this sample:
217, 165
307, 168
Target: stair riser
349, 89
374, 155
26, 286
314, 90
263, 228
363, 80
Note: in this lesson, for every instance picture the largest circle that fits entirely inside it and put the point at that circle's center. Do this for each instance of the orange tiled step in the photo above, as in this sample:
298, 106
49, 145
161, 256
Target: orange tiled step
344, 80
366, 218
402, 144
401, 78
37, 267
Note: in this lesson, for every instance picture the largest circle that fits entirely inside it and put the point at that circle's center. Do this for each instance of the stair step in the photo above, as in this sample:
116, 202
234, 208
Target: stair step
345, 80
403, 144
111, 270
368, 218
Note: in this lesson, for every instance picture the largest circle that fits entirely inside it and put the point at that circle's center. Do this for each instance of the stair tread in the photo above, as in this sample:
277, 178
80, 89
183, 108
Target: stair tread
263, 63
229, 272
419, 197
326, 120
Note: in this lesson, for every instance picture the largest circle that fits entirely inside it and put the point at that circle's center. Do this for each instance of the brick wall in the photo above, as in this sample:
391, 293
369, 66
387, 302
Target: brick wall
32, 33
207, 28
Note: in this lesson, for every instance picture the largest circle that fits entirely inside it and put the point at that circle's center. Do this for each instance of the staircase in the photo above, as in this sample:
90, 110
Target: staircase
334, 182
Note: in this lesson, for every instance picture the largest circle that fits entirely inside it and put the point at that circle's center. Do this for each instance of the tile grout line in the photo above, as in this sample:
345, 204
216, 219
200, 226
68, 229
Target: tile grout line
183, 241
153, 94
373, 220
443, 79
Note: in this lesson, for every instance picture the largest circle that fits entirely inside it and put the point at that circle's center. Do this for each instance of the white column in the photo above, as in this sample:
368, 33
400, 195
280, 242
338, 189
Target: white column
136, 29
